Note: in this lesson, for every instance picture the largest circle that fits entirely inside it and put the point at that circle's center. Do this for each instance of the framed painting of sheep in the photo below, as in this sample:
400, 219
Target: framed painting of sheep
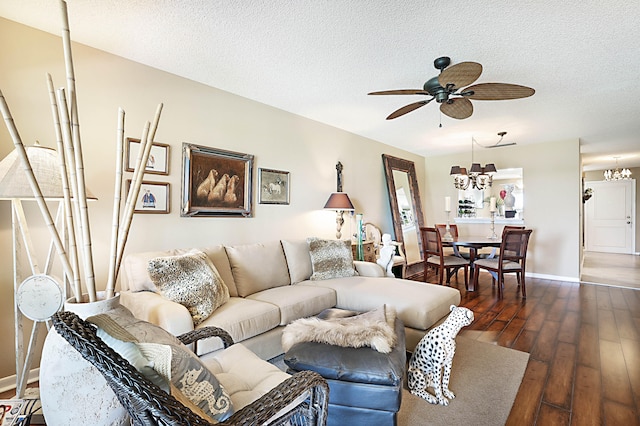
215, 182
274, 186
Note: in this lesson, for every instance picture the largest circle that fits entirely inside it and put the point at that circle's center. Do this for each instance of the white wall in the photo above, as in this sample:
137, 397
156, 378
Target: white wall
192, 113
552, 199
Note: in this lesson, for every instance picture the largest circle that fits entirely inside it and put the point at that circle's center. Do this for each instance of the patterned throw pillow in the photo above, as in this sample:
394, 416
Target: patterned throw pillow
191, 280
190, 381
330, 259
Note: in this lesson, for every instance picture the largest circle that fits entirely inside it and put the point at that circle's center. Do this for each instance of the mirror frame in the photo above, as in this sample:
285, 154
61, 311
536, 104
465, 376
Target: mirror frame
392, 163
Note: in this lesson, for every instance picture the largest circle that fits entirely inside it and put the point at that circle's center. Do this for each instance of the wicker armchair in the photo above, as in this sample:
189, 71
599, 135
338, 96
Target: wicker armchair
300, 400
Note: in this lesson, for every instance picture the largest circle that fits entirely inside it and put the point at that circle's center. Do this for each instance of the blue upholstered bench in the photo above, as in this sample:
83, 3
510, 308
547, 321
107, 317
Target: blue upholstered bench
365, 386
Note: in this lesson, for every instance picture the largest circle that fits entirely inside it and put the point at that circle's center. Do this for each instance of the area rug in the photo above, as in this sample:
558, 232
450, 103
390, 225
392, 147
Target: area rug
485, 379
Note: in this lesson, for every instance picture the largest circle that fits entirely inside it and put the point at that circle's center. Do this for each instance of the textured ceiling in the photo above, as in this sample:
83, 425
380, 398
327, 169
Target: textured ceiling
320, 58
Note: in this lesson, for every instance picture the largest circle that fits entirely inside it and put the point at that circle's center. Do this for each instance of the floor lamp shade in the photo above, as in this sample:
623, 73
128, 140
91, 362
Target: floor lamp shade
46, 167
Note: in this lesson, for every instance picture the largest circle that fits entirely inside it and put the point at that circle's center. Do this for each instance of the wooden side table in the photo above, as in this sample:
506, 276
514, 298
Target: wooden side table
369, 251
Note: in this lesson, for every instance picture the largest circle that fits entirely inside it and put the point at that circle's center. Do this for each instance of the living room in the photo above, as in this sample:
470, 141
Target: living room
307, 149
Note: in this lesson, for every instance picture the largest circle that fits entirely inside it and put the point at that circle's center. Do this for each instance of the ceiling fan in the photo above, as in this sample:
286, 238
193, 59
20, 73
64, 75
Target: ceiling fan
447, 90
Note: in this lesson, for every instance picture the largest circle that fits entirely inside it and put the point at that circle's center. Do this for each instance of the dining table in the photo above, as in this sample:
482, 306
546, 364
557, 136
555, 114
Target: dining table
473, 243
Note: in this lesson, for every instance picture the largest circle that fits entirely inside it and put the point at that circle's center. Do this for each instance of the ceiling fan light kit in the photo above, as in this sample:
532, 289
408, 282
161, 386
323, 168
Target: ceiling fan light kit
446, 89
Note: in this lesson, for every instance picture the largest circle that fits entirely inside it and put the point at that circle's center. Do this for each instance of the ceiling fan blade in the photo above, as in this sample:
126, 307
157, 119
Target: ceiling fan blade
499, 91
408, 108
461, 74
401, 92
459, 108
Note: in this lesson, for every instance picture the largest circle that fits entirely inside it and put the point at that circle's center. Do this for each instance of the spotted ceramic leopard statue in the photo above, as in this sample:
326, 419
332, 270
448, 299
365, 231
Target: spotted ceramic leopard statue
430, 364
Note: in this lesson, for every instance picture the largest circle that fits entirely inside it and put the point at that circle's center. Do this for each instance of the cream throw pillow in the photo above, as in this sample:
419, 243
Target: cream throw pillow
330, 259
191, 280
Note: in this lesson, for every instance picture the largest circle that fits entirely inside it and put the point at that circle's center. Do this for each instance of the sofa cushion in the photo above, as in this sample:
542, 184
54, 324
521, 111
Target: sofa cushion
298, 259
419, 305
257, 267
231, 366
242, 319
188, 375
297, 302
191, 280
136, 277
218, 256
330, 259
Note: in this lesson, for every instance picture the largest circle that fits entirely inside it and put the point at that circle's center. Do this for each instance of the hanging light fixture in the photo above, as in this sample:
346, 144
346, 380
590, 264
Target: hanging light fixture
617, 174
477, 177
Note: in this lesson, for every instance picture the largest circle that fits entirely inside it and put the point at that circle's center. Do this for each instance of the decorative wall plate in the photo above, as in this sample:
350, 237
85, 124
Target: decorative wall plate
39, 296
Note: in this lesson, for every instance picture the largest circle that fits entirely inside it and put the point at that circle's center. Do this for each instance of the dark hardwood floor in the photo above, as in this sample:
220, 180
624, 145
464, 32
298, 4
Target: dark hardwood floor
584, 346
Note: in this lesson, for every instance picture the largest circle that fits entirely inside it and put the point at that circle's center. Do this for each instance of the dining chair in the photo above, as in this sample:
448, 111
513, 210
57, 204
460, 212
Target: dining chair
453, 229
512, 259
436, 259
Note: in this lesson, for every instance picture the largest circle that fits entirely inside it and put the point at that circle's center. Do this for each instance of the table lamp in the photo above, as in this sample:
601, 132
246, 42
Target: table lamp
340, 202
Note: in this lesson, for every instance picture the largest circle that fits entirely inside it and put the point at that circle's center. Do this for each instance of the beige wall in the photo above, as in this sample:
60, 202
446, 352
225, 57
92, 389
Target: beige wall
192, 113
552, 199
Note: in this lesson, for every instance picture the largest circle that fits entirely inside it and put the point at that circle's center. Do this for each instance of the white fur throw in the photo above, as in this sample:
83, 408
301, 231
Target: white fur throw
374, 328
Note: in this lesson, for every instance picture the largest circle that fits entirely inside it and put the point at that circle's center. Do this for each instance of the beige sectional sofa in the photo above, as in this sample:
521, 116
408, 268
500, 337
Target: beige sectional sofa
269, 287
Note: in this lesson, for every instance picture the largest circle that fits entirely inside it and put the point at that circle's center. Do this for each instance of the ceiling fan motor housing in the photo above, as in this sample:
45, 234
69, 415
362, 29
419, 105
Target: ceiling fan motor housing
433, 87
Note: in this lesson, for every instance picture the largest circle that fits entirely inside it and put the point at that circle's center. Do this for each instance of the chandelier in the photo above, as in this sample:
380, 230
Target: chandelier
617, 174
478, 177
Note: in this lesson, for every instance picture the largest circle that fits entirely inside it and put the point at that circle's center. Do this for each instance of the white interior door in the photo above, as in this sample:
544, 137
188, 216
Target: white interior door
609, 217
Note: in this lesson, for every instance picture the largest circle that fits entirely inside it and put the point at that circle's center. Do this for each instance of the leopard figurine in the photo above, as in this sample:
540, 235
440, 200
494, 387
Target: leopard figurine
430, 364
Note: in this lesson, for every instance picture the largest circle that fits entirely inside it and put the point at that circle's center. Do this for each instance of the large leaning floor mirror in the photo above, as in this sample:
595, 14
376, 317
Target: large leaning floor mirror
406, 208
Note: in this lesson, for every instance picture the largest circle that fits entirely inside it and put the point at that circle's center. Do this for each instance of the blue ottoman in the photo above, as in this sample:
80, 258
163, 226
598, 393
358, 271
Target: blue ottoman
365, 386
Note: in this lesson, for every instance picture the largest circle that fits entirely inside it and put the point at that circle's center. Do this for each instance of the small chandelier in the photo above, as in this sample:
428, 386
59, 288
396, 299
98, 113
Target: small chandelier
617, 174
478, 177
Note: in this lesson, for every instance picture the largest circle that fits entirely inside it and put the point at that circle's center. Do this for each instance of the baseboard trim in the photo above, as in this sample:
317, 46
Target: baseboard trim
9, 382
553, 277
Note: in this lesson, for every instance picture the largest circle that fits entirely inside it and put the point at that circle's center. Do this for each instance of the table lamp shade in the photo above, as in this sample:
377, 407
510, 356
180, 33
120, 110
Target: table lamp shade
339, 201
44, 162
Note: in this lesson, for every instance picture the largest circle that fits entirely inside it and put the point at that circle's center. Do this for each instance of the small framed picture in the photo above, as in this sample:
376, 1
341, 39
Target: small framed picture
215, 182
274, 186
158, 162
153, 197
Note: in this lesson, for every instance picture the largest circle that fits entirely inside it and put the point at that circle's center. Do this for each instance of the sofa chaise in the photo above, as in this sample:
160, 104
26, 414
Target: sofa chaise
274, 283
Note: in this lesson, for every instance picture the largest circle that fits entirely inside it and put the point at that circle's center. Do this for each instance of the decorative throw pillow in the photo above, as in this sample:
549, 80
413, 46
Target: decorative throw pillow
190, 381
191, 280
330, 259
